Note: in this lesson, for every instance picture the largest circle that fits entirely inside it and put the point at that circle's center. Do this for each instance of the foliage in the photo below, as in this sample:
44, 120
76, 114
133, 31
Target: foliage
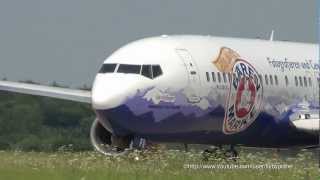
43, 124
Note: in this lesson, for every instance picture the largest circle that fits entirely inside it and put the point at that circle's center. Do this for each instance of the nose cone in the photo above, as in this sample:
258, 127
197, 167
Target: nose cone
112, 90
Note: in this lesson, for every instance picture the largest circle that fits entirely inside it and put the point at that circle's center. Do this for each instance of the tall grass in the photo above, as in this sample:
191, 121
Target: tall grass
154, 164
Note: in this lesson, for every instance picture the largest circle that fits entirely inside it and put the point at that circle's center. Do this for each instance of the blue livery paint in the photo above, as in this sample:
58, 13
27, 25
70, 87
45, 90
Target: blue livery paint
169, 122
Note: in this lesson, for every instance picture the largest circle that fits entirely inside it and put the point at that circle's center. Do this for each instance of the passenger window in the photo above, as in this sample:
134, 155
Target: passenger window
271, 80
300, 81
276, 80
296, 80
146, 71
156, 71
213, 77
108, 68
219, 77
310, 82
208, 77
287, 81
266, 79
224, 77
127, 68
305, 81
229, 77
260, 77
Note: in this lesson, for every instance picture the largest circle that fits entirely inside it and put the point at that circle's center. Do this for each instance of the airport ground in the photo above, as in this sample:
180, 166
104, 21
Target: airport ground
158, 164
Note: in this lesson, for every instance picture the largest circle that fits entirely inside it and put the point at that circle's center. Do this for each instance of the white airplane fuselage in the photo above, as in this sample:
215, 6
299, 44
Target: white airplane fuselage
211, 90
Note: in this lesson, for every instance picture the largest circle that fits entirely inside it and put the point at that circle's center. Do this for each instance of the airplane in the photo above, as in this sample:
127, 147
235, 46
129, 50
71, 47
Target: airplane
195, 89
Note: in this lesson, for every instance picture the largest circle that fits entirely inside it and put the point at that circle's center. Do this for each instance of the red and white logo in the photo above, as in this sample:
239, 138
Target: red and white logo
244, 98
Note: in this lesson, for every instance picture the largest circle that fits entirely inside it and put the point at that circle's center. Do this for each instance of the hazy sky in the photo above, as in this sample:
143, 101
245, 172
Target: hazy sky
67, 40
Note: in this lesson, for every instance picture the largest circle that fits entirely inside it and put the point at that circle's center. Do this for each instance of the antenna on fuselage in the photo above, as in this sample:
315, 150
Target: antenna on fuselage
271, 35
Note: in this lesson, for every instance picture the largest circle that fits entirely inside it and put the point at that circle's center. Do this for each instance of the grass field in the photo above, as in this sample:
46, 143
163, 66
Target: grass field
160, 164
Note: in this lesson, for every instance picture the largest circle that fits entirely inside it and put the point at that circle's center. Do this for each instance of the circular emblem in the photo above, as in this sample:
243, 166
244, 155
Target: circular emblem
244, 98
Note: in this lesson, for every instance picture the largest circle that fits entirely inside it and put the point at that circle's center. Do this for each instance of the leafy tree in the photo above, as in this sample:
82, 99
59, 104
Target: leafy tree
43, 124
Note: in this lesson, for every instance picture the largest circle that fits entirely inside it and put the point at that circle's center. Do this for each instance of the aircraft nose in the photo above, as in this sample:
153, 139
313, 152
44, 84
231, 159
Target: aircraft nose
110, 91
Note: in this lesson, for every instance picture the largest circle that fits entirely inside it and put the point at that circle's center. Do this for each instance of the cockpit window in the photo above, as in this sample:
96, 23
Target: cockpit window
131, 69
156, 71
149, 71
146, 71
108, 68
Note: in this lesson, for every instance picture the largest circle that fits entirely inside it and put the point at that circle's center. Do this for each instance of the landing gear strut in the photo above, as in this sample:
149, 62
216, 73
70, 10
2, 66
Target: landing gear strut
219, 152
119, 144
138, 143
213, 152
231, 153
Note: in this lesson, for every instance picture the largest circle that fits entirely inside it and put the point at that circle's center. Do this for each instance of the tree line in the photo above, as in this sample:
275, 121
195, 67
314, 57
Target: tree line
33, 123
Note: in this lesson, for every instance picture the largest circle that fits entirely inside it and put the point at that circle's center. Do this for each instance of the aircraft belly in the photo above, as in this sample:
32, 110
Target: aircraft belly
206, 129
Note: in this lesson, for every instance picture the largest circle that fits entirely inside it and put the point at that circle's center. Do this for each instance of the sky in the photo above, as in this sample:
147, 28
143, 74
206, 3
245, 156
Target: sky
67, 40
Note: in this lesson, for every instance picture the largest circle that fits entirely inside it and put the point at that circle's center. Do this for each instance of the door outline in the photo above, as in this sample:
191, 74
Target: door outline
194, 81
315, 86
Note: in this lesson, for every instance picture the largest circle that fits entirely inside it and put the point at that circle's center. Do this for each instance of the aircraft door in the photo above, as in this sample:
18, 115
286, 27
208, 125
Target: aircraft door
193, 75
316, 86
311, 92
